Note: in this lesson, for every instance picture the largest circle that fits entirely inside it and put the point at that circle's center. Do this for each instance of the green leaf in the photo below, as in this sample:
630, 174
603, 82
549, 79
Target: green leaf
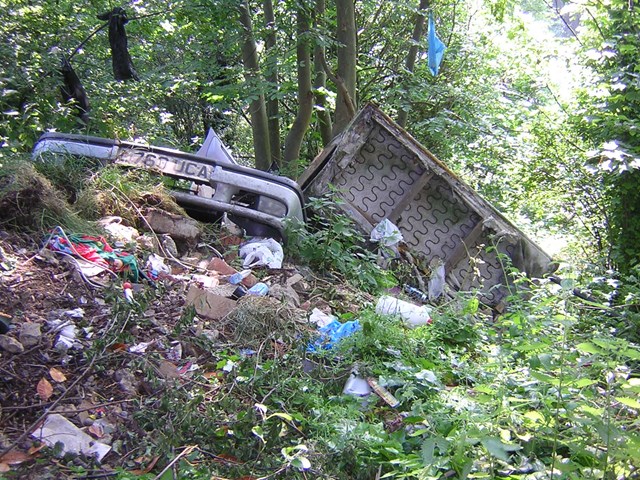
428, 448
588, 348
301, 463
629, 402
584, 382
284, 416
543, 377
499, 449
535, 416
258, 432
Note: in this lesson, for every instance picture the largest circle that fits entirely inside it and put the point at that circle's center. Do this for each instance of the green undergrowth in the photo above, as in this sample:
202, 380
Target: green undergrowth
545, 390
550, 388
331, 242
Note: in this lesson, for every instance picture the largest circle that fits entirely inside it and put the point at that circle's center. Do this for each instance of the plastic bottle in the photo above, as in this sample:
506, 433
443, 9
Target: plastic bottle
413, 315
128, 291
237, 277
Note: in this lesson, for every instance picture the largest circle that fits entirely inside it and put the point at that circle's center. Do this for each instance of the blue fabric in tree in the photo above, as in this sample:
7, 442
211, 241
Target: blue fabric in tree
436, 47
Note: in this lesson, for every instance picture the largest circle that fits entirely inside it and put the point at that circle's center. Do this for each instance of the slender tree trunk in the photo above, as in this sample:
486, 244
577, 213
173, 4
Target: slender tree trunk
418, 31
347, 58
257, 108
320, 82
272, 77
305, 95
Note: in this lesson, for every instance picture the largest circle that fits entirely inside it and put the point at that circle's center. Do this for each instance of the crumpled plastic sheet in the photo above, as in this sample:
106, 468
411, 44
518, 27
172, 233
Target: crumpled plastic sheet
332, 333
262, 251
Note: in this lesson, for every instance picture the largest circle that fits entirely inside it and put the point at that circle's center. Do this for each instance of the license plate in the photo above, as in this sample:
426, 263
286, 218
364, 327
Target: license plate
167, 164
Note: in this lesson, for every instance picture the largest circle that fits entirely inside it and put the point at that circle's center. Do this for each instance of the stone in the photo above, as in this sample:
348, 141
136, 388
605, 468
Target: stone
286, 294
183, 230
30, 334
126, 380
209, 304
10, 344
223, 268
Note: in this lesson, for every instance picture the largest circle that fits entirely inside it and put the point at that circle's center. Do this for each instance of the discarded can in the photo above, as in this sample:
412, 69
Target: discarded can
259, 289
413, 315
240, 291
415, 293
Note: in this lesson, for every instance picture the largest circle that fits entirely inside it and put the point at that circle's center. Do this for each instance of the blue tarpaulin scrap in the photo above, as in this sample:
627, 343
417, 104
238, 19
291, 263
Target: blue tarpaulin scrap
436, 47
332, 333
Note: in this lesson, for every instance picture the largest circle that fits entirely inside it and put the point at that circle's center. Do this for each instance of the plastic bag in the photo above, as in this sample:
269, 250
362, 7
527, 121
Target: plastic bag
386, 234
262, 251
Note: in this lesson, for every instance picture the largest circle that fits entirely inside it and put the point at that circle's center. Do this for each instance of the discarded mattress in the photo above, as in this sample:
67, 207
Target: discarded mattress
381, 172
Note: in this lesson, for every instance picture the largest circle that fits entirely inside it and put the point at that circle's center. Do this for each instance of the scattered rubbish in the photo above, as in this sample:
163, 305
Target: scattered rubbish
356, 385
57, 429
332, 333
416, 294
75, 313
206, 281
259, 289
222, 268
121, 234
5, 323
257, 201
175, 352
184, 231
95, 250
437, 280
386, 234
413, 315
66, 338
239, 292
156, 266
213, 148
320, 318
262, 251
141, 347
128, 292
10, 344
383, 393
237, 277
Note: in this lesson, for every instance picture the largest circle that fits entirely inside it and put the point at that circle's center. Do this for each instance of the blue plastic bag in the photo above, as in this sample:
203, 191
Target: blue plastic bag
332, 333
436, 47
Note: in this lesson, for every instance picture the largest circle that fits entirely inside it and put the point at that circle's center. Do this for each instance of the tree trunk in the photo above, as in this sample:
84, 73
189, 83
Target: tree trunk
418, 31
347, 58
305, 95
257, 107
320, 83
272, 77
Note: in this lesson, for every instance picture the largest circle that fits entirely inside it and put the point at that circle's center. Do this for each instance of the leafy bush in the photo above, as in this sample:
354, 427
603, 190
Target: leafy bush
331, 242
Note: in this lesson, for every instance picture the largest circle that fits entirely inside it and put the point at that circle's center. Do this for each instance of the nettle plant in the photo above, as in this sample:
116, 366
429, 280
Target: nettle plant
331, 242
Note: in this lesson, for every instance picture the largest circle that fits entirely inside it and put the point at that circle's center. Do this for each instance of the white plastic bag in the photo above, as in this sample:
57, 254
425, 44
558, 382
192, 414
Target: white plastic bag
413, 315
386, 234
262, 251
437, 282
